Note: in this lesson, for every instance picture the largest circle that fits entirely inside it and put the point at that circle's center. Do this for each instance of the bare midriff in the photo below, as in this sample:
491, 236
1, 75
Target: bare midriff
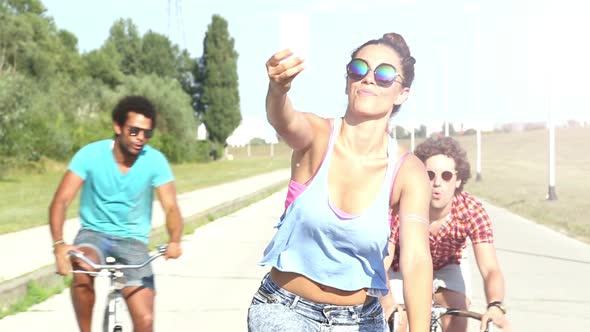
316, 292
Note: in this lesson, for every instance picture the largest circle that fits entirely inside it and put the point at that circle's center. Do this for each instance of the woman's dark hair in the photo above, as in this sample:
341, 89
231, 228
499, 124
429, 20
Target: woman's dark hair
398, 44
137, 104
449, 147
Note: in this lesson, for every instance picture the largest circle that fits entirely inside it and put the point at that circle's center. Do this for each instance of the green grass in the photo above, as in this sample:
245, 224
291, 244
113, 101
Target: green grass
515, 176
35, 294
25, 196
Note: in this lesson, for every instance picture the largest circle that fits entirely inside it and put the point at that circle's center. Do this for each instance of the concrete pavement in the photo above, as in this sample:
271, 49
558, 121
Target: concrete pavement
210, 286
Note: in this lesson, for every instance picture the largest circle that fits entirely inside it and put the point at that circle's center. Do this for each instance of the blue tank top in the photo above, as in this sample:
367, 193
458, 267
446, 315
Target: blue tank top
316, 240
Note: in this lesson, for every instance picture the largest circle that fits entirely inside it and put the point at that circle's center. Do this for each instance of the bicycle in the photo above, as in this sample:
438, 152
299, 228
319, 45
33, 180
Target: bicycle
113, 314
437, 312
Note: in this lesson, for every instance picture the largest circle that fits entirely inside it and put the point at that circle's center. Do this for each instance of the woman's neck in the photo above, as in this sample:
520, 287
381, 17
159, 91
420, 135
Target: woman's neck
368, 138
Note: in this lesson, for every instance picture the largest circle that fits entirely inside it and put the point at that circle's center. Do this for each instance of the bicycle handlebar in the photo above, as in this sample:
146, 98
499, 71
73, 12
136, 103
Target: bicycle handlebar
161, 251
462, 313
442, 311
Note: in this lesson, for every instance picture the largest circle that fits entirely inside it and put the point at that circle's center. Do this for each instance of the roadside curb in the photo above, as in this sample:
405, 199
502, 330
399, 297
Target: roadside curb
13, 290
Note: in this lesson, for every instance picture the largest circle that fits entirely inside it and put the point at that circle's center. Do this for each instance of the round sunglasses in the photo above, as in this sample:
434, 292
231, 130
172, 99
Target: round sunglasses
385, 74
445, 175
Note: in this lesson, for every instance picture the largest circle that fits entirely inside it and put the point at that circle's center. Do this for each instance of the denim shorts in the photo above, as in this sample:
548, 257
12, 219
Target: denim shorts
276, 309
456, 277
124, 250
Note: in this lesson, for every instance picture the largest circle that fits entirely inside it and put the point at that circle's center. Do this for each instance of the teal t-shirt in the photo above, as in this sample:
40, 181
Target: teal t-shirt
115, 203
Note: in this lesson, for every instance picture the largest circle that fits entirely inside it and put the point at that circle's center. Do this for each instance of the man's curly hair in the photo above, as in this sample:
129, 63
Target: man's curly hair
449, 147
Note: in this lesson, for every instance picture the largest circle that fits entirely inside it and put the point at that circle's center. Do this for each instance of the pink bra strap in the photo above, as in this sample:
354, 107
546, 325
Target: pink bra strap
398, 165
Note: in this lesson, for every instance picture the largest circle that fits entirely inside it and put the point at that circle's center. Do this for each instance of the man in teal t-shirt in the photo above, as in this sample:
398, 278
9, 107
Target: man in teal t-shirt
117, 177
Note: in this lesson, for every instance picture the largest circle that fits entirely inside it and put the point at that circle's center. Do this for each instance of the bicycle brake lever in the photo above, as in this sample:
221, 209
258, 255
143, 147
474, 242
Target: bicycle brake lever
162, 248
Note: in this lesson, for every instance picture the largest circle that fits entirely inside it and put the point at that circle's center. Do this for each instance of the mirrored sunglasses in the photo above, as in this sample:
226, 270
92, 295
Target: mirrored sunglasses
385, 74
147, 133
445, 175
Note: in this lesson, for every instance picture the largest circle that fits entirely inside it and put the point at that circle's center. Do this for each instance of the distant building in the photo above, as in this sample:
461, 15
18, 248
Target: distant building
202, 132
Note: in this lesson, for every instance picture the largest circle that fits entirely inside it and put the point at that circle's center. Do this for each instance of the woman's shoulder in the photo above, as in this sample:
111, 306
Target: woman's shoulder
318, 121
412, 165
411, 178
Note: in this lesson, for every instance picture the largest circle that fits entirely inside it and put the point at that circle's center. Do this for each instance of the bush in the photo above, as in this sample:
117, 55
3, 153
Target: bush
470, 132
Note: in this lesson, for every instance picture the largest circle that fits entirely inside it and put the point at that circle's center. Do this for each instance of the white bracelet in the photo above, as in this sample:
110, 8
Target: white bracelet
414, 218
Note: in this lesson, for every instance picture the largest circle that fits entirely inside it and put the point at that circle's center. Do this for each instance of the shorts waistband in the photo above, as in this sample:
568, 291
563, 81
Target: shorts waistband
317, 311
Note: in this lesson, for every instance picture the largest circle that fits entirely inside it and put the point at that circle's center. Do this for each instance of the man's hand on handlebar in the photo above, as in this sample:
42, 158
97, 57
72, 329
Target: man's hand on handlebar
173, 250
62, 258
497, 317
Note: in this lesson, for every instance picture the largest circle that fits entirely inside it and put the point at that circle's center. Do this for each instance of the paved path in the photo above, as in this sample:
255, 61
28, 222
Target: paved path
210, 287
546, 273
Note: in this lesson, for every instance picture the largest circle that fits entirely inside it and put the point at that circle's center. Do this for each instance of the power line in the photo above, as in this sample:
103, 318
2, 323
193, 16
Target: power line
175, 15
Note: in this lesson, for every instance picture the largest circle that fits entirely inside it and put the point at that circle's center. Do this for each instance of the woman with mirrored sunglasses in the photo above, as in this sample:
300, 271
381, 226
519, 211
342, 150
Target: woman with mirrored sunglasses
329, 255
455, 217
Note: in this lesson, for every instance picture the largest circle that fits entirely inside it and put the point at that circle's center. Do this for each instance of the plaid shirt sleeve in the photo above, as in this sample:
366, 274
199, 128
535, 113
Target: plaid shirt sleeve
479, 228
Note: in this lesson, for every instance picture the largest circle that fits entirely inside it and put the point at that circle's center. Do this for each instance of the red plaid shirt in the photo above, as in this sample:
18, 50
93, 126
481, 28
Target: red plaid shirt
468, 218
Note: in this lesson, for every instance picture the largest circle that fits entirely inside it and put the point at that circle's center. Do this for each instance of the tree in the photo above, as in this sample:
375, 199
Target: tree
421, 132
220, 101
126, 40
452, 131
23, 6
185, 68
103, 64
157, 55
31, 44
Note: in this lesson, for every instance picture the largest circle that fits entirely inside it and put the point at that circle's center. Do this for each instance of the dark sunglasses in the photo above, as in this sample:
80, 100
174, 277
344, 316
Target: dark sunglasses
385, 74
445, 175
147, 133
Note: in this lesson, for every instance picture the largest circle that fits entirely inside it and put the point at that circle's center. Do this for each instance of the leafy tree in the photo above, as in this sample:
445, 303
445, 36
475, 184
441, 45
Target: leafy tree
31, 44
185, 68
14, 102
103, 64
23, 6
220, 100
157, 55
126, 40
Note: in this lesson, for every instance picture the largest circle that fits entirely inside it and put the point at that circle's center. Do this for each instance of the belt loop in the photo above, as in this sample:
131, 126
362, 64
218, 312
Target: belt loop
294, 303
264, 278
354, 314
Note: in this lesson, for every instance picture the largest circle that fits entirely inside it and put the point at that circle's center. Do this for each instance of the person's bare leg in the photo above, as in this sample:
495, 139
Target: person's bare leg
82, 291
140, 302
451, 299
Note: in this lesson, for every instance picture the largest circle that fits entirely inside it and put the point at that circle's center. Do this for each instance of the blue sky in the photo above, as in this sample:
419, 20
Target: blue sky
478, 62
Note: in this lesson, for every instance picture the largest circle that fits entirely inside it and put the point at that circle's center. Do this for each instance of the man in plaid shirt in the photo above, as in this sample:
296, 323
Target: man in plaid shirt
455, 216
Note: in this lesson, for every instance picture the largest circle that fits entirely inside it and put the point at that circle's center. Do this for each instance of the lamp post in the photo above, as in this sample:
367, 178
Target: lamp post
551, 194
478, 164
445, 87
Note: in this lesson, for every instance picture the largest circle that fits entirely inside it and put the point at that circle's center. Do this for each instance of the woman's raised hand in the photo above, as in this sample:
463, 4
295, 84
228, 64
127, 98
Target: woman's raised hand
282, 68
